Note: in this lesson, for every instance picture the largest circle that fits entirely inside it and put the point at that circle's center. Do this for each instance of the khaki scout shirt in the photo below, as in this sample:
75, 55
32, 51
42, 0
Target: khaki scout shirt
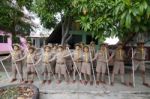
47, 56
16, 55
101, 56
31, 58
92, 49
86, 57
60, 57
77, 55
140, 53
119, 55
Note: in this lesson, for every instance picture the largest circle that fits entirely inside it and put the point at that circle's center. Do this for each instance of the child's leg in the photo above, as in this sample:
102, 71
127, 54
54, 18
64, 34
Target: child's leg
98, 76
85, 77
14, 72
103, 77
91, 80
74, 74
28, 71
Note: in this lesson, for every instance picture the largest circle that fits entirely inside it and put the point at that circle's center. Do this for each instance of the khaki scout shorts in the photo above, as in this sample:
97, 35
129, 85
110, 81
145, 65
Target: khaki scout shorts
78, 66
60, 68
118, 67
101, 67
30, 68
140, 65
46, 68
86, 68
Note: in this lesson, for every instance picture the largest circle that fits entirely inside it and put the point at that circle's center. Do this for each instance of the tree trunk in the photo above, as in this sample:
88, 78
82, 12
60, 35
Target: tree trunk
65, 29
68, 38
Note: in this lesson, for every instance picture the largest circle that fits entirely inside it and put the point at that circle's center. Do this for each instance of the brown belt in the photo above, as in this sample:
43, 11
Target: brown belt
30, 63
60, 63
78, 61
101, 61
16, 63
46, 62
85, 62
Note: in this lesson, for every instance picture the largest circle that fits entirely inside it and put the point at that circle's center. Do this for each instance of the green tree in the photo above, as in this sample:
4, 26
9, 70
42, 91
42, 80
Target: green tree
48, 9
102, 18
11, 16
121, 18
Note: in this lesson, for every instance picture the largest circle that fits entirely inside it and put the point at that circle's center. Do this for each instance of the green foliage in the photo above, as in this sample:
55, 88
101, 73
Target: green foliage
107, 18
11, 17
102, 18
15, 39
28, 39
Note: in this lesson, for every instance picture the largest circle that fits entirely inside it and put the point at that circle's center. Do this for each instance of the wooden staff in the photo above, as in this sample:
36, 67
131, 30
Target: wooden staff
133, 76
74, 64
107, 66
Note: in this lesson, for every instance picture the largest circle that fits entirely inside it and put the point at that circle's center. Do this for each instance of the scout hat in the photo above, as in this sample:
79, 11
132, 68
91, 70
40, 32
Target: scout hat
55, 45
67, 45
86, 46
77, 44
16, 44
92, 42
32, 47
50, 44
82, 43
47, 46
60, 46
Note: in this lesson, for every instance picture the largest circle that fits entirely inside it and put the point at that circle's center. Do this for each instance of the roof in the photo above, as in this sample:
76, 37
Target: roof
56, 35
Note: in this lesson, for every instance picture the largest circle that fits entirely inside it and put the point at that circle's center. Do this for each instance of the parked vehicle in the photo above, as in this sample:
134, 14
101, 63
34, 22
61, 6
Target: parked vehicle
6, 42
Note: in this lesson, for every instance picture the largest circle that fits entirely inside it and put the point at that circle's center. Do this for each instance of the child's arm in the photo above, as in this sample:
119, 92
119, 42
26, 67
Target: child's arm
53, 58
6, 57
21, 58
96, 56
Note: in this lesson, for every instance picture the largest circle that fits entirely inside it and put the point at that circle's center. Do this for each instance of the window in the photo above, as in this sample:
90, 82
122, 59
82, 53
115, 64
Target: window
3, 39
33, 41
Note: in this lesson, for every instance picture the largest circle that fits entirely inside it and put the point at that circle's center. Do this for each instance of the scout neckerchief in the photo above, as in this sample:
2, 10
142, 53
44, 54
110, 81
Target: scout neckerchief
86, 56
78, 55
102, 52
120, 52
142, 51
14, 53
30, 56
46, 56
92, 51
105, 53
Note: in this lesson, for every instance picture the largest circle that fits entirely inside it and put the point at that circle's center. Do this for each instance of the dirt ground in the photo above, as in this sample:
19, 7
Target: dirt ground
80, 91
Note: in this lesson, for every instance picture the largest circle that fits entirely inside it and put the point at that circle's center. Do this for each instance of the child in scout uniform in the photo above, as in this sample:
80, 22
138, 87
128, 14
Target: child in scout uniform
54, 51
69, 62
101, 66
92, 48
86, 65
118, 56
77, 55
47, 55
139, 62
16, 63
60, 68
82, 45
30, 60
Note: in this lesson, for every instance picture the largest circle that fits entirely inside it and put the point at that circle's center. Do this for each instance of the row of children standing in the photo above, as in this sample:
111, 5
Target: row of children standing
58, 60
